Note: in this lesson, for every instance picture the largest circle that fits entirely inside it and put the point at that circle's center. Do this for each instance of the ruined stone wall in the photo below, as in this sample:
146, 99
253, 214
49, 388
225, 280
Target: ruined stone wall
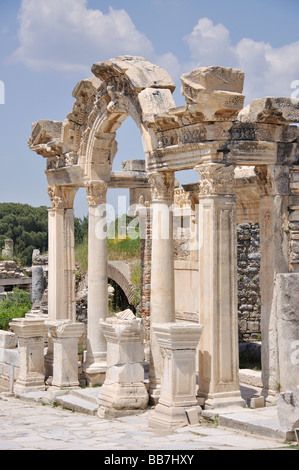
249, 300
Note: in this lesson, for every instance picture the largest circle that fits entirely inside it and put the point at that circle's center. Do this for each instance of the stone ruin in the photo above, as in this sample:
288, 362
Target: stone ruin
215, 135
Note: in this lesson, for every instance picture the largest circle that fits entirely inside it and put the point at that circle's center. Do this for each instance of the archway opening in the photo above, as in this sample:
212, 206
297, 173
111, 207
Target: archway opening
123, 228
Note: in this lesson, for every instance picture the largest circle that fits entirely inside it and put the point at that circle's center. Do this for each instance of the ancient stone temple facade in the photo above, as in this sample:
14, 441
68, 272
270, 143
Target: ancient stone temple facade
214, 134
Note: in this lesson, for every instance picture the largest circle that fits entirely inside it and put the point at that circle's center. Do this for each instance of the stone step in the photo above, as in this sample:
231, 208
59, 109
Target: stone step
77, 403
89, 394
260, 422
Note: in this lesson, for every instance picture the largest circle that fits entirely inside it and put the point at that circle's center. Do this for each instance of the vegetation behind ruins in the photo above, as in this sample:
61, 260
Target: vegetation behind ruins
27, 226
15, 306
123, 242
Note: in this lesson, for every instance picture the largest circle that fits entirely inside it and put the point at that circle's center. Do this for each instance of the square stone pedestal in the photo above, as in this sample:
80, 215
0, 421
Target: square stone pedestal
31, 335
65, 336
178, 343
124, 387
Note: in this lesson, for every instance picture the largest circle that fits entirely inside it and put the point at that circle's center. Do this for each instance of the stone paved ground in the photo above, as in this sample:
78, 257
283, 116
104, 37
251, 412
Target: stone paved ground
32, 426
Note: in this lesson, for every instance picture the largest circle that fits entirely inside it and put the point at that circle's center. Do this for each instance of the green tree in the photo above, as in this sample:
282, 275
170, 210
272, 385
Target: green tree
27, 226
15, 306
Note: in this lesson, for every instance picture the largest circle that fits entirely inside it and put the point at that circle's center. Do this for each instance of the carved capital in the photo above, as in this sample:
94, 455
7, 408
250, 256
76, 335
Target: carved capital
62, 197
96, 192
162, 186
216, 179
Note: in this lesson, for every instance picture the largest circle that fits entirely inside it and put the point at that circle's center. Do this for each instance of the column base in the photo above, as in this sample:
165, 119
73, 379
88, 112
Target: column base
154, 391
172, 416
30, 384
222, 400
123, 396
95, 373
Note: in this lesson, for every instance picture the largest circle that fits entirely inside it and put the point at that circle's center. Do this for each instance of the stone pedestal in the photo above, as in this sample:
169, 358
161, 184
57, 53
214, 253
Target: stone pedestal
124, 387
95, 365
178, 343
31, 335
65, 336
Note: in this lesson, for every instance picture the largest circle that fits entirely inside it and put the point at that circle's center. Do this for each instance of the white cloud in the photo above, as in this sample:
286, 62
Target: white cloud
64, 35
268, 71
209, 44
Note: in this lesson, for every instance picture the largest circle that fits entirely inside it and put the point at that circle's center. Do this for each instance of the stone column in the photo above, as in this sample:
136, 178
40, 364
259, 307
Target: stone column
219, 357
38, 286
274, 213
61, 260
31, 335
96, 364
61, 288
162, 269
178, 343
65, 336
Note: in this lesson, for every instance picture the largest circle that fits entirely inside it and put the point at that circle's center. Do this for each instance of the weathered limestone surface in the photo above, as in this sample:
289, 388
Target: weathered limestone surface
10, 269
162, 269
288, 409
124, 387
65, 336
178, 343
38, 285
271, 110
31, 335
8, 340
140, 73
217, 91
287, 301
8, 248
95, 365
218, 359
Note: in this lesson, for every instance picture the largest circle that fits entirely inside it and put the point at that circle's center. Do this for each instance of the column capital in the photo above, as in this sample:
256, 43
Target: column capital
62, 197
216, 179
162, 186
96, 192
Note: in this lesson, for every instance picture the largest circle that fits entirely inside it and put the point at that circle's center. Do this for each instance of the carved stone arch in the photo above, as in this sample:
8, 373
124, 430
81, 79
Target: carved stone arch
121, 87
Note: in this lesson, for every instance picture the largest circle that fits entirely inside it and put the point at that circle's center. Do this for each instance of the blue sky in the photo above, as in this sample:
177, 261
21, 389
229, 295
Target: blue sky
47, 46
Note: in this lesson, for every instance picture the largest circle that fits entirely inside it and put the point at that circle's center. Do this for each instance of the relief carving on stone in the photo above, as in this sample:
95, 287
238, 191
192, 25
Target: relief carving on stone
264, 181
162, 186
96, 192
216, 179
191, 135
61, 197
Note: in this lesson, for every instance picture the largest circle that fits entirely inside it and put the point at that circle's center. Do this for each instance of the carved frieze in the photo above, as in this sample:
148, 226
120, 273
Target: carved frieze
184, 135
62, 161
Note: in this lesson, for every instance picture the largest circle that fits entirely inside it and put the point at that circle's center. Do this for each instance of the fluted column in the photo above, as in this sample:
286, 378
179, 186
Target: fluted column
96, 364
162, 268
218, 361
